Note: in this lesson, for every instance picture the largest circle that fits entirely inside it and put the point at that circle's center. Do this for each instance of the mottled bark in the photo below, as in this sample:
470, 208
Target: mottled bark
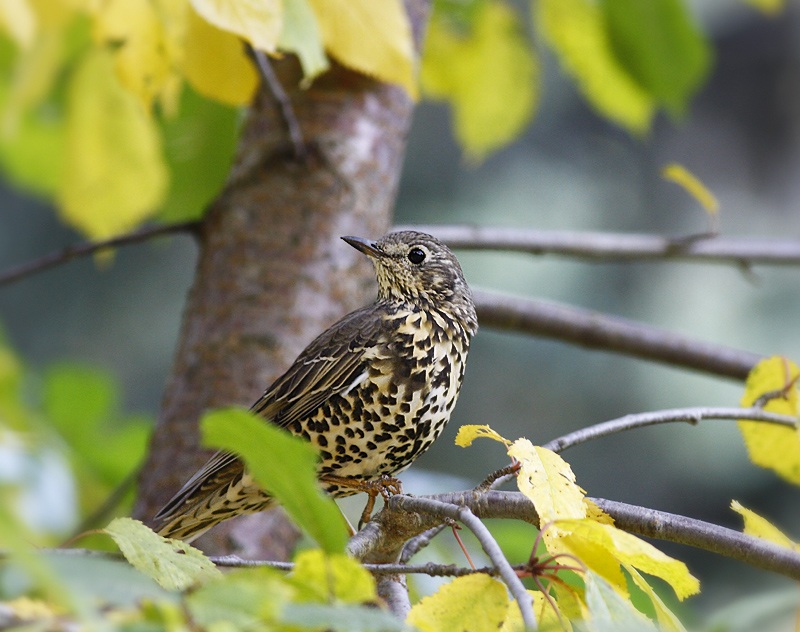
272, 272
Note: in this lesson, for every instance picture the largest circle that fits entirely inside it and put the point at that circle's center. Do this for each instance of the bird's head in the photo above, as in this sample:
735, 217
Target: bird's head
417, 268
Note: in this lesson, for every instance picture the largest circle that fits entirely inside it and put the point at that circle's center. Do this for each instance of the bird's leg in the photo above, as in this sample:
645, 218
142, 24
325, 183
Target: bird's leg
385, 485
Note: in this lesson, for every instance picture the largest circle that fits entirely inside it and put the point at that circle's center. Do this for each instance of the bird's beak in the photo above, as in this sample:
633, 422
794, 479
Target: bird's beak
366, 246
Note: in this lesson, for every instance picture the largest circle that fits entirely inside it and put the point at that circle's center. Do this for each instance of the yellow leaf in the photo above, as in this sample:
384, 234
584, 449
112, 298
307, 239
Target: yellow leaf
490, 76
546, 617
35, 611
140, 49
773, 447
468, 433
667, 621
583, 545
114, 175
576, 31
477, 603
216, 65
56, 15
681, 176
760, 527
628, 549
321, 576
32, 78
18, 20
595, 513
372, 37
257, 21
570, 602
547, 480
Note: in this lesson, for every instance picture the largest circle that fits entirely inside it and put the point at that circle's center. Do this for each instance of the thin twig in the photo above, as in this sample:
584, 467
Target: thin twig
284, 104
641, 420
608, 333
233, 561
465, 516
82, 250
610, 247
419, 542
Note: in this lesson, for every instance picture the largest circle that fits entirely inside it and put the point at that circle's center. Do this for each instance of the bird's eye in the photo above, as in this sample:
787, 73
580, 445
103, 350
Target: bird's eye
416, 256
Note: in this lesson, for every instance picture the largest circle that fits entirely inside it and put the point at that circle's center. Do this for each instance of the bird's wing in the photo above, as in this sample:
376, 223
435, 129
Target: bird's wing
331, 364
218, 470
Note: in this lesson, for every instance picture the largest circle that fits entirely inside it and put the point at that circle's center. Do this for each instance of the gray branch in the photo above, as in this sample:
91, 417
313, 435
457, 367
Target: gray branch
649, 523
609, 247
642, 420
601, 331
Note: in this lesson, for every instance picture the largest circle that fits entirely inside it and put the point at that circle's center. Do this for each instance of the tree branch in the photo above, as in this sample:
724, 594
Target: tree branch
661, 525
650, 523
465, 516
284, 103
53, 259
607, 247
641, 420
599, 331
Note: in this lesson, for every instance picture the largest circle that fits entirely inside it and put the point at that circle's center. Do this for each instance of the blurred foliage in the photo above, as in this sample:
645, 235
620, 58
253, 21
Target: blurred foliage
101, 108
65, 447
267, 449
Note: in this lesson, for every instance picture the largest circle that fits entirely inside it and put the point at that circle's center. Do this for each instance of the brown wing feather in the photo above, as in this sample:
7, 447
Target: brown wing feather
328, 365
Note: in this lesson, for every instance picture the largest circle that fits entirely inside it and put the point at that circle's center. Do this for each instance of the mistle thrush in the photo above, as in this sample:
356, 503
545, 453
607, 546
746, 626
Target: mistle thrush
371, 393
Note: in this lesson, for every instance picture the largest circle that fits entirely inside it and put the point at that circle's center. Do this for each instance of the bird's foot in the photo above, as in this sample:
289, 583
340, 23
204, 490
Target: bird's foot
387, 486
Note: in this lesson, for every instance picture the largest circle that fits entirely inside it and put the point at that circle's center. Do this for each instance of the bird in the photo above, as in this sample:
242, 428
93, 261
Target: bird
371, 393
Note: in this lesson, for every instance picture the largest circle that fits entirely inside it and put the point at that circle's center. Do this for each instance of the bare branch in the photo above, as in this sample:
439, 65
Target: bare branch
641, 420
608, 247
393, 589
419, 542
30, 268
463, 515
600, 331
284, 103
650, 523
661, 525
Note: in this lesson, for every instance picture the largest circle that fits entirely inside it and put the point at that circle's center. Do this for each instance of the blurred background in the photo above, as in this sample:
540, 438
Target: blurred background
570, 171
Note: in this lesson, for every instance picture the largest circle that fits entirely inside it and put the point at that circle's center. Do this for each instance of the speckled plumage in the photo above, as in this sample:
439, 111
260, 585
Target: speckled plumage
372, 392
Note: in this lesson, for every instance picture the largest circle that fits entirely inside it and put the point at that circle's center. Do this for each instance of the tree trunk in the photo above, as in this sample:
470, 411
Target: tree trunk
272, 272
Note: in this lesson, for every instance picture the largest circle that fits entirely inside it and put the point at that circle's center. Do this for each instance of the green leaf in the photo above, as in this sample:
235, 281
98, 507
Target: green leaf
659, 45
609, 611
283, 464
199, 144
81, 401
15, 541
342, 617
107, 582
78, 398
326, 577
576, 31
244, 599
174, 565
301, 35
488, 72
